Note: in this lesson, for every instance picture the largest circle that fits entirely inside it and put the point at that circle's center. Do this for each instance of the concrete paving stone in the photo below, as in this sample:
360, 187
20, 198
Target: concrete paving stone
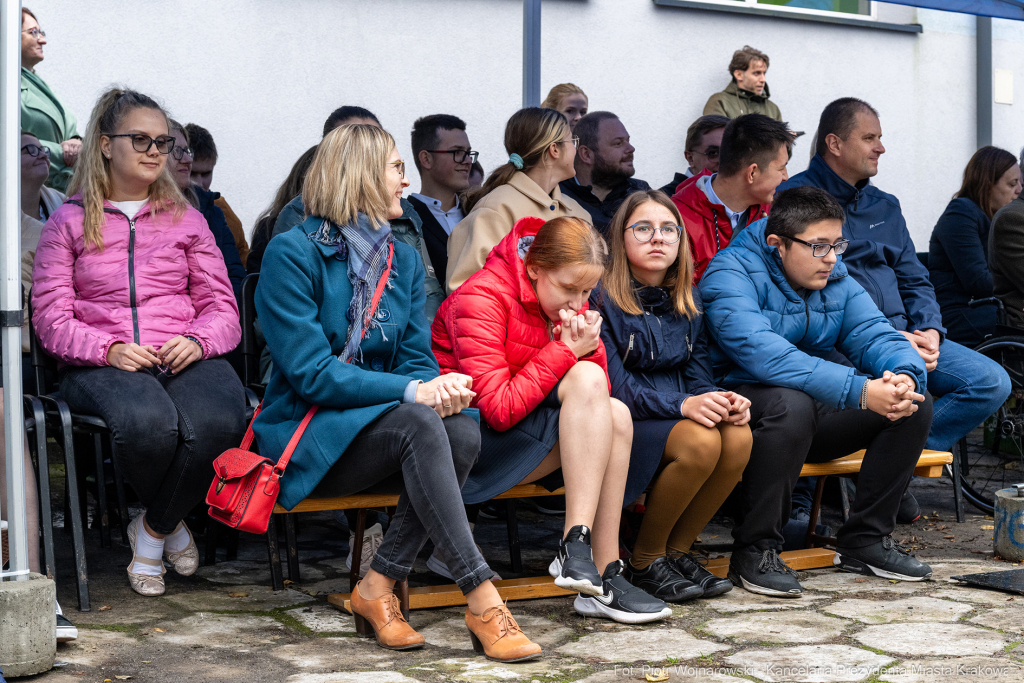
777, 627
453, 633
992, 598
130, 608
334, 653
247, 599
323, 619
94, 646
957, 640
647, 645
352, 677
219, 630
943, 569
739, 600
810, 663
248, 572
835, 581
1006, 619
479, 669
680, 673
907, 609
959, 670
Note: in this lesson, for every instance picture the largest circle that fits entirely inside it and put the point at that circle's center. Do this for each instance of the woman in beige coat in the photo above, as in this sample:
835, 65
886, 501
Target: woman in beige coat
541, 151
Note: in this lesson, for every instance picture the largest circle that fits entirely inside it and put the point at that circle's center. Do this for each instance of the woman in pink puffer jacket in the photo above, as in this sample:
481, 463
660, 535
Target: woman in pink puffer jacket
130, 293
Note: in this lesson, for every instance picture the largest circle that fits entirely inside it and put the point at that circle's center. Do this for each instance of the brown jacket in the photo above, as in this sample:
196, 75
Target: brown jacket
1006, 259
237, 231
733, 102
493, 217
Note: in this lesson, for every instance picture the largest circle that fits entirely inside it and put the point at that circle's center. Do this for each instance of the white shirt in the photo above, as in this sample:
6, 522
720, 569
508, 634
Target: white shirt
734, 216
447, 219
130, 209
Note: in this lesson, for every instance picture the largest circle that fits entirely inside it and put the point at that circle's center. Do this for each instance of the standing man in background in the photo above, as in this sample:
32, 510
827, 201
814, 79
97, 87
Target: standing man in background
748, 91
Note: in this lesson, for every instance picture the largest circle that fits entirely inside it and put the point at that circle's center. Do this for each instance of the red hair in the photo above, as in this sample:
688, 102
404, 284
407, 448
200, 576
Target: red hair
566, 241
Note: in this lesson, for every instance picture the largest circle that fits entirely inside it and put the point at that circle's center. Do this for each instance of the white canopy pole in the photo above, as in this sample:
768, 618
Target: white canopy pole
10, 282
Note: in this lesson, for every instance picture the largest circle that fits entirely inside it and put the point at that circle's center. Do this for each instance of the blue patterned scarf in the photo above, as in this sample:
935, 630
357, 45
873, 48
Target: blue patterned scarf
366, 250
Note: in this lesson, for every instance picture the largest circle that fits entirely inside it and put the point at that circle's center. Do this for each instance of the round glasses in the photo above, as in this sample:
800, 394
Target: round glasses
644, 232
35, 151
179, 152
142, 143
821, 250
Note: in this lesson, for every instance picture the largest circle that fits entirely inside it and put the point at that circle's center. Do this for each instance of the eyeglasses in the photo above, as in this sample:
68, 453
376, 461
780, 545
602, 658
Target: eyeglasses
460, 156
644, 232
36, 33
179, 152
35, 151
821, 250
399, 166
142, 143
711, 152
575, 141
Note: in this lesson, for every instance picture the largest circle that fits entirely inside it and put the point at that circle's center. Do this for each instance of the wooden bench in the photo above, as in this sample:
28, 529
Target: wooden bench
930, 464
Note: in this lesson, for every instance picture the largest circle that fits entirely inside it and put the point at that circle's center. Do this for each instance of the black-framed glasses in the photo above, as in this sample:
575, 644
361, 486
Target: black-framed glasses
644, 232
142, 143
36, 33
179, 152
821, 250
460, 156
35, 150
399, 166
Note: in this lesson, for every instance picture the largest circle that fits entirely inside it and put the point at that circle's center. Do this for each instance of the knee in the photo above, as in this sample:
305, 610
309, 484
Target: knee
737, 441
149, 424
464, 439
585, 380
622, 421
699, 449
793, 411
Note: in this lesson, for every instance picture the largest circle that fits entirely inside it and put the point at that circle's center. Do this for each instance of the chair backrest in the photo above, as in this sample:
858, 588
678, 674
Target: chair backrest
250, 349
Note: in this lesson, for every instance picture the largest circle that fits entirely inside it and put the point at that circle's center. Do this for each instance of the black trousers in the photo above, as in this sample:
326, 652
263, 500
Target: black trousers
791, 428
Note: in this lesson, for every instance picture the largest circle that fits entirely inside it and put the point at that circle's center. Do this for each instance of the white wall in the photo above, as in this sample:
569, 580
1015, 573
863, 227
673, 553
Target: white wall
263, 75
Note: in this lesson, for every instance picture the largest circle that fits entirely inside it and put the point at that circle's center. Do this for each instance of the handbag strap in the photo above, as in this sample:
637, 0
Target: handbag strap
283, 461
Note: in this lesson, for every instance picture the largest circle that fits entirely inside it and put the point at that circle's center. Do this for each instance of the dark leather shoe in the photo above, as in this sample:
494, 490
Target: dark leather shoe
661, 580
692, 568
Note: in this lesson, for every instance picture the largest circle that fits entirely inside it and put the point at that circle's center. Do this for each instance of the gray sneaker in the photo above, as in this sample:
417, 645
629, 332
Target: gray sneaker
886, 559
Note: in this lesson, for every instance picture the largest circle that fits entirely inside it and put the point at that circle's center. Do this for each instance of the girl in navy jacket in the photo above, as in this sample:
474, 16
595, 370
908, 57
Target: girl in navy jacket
690, 437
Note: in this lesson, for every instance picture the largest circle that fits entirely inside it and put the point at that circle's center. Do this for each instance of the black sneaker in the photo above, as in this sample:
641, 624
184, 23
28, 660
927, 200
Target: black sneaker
885, 558
661, 580
909, 511
762, 571
693, 568
573, 567
66, 631
621, 601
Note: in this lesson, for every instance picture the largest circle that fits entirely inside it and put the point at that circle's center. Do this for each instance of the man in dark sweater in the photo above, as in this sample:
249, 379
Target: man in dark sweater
604, 168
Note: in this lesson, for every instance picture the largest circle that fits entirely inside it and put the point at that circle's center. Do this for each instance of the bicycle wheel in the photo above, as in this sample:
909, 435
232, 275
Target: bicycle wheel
983, 471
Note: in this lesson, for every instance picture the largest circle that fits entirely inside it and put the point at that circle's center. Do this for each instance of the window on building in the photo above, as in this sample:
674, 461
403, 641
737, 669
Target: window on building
856, 7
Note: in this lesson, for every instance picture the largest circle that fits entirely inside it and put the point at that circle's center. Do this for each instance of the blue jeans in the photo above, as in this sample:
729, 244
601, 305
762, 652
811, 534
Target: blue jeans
968, 387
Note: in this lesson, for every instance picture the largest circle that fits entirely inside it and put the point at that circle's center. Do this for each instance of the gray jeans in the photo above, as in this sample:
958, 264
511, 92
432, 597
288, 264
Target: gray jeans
433, 458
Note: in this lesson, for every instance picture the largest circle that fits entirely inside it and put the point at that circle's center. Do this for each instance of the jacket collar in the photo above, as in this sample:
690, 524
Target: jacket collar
312, 224
40, 97
525, 185
110, 208
734, 89
821, 175
508, 257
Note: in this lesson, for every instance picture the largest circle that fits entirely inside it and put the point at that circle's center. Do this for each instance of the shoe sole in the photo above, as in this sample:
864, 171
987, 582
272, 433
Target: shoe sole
721, 590
762, 590
855, 566
595, 608
575, 585
67, 635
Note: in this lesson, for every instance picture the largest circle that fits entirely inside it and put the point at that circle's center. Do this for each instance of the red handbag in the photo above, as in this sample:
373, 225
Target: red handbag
244, 491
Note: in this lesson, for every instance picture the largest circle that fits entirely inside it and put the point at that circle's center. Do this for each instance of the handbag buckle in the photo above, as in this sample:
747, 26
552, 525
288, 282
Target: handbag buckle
220, 484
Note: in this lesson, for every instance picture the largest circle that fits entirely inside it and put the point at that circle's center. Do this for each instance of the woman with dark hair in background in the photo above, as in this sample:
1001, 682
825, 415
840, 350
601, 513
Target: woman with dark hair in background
958, 250
289, 190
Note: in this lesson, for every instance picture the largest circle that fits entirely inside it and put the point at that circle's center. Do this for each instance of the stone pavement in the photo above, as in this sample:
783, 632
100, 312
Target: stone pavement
225, 624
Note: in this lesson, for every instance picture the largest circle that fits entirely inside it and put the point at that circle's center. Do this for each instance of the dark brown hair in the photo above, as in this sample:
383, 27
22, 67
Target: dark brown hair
618, 281
741, 60
982, 174
701, 127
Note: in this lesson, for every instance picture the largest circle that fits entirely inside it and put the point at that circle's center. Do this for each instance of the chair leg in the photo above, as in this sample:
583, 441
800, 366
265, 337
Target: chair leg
122, 500
210, 549
276, 577
74, 511
844, 496
813, 539
955, 469
357, 549
43, 470
232, 545
101, 491
402, 589
292, 547
512, 524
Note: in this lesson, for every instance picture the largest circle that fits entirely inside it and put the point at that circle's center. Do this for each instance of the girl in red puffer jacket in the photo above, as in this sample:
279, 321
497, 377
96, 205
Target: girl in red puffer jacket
521, 329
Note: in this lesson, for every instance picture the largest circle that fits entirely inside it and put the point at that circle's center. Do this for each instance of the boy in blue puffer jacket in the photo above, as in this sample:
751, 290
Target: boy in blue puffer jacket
778, 301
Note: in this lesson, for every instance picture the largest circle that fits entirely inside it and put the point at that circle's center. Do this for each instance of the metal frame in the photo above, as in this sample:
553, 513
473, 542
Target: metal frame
983, 45
871, 15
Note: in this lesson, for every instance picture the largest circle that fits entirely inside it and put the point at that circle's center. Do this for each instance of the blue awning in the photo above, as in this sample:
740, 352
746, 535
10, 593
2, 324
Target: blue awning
1004, 9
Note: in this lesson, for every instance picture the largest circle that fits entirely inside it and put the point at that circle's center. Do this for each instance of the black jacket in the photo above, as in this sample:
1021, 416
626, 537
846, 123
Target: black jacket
434, 236
670, 189
601, 212
222, 234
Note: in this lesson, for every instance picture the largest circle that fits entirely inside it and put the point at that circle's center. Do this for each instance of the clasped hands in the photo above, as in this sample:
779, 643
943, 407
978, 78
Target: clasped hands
715, 406
447, 394
893, 395
926, 343
579, 331
176, 354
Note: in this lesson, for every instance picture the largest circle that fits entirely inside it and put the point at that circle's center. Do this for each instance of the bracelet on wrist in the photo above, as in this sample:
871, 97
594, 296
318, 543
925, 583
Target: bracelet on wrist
202, 351
864, 396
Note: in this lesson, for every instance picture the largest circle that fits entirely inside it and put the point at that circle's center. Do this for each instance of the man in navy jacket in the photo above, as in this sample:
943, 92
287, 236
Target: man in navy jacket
967, 386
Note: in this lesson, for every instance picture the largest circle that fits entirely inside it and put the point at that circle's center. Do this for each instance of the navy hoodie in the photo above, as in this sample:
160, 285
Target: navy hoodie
881, 256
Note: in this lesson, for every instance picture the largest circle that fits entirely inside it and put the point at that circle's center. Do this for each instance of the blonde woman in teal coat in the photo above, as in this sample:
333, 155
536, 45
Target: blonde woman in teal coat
42, 114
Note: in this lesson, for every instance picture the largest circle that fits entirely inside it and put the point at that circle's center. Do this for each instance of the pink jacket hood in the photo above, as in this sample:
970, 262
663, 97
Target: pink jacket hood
155, 278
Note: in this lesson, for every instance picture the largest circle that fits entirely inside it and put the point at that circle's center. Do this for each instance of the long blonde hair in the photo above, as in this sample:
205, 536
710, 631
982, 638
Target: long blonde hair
92, 171
528, 133
348, 175
559, 93
618, 281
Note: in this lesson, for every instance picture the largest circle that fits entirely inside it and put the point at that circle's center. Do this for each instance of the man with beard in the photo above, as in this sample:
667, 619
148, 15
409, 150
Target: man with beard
604, 168
751, 164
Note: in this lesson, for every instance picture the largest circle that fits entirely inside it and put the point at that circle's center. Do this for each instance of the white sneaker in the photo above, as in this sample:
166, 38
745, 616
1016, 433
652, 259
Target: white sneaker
372, 540
436, 565
66, 631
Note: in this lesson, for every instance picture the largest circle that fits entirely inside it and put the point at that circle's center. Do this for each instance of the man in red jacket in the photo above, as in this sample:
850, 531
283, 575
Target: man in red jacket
752, 163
